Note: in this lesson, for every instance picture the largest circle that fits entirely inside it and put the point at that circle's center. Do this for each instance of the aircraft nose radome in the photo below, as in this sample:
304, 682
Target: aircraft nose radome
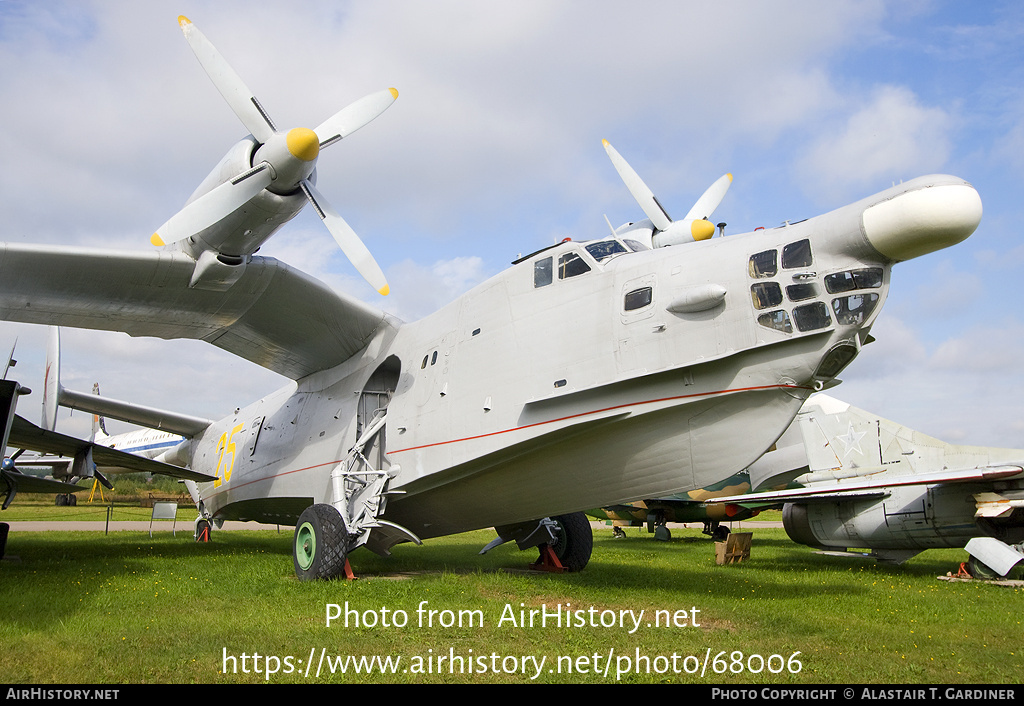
922, 221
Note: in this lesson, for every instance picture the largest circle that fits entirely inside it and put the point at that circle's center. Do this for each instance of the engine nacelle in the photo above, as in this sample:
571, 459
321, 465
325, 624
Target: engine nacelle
913, 517
239, 235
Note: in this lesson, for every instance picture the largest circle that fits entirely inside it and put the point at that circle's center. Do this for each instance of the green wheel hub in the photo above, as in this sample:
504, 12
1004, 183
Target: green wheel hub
305, 545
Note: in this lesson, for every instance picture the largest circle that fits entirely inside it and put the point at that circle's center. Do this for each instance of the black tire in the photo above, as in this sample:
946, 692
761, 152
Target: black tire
721, 533
320, 544
72, 500
981, 570
204, 531
662, 533
574, 540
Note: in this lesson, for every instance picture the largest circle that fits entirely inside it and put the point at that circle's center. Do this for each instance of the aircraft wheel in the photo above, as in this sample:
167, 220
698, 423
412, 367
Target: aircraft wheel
981, 570
72, 499
662, 533
574, 540
60, 500
320, 544
720, 534
204, 528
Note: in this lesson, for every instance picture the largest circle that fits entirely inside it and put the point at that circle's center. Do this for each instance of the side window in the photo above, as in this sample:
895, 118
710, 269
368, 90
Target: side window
766, 295
571, 265
811, 317
764, 264
799, 292
638, 298
778, 320
796, 254
542, 273
854, 308
868, 278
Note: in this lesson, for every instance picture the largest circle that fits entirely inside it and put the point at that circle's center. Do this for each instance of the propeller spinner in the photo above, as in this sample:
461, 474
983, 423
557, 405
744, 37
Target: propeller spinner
282, 163
693, 226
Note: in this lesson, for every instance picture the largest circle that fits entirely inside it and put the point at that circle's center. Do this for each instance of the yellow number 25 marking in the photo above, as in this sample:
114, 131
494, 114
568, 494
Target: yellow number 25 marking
226, 447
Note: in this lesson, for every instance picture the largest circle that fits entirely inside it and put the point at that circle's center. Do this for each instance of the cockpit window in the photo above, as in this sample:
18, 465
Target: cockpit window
542, 272
764, 264
796, 254
604, 249
571, 265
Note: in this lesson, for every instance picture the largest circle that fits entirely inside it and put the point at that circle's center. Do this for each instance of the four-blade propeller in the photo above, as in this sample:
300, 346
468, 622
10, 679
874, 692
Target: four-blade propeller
693, 226
282, 163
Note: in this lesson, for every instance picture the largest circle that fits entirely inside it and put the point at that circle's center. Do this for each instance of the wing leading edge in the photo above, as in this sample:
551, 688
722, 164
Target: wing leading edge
273, 315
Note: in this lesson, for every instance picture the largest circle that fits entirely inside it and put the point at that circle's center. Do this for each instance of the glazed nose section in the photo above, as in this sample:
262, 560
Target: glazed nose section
924, 220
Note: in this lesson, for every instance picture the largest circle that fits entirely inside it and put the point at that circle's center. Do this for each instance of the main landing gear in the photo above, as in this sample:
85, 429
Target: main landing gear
572, 547
565, 541
320, 548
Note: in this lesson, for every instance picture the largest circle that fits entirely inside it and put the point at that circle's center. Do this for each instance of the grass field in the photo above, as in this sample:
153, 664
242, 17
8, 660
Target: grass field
123, 608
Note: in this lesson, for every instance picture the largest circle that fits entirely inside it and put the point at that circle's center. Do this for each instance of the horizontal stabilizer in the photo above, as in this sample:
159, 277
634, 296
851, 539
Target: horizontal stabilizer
26, 435
183, 424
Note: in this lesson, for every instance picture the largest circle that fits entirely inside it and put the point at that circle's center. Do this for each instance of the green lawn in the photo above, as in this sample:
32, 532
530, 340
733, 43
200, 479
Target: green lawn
89, 607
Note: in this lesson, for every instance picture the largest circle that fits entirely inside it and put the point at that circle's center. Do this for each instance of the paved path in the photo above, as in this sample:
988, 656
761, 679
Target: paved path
133, 525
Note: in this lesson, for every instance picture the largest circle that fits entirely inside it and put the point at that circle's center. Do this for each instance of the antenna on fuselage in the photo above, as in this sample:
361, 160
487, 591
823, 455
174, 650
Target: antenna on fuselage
609, 224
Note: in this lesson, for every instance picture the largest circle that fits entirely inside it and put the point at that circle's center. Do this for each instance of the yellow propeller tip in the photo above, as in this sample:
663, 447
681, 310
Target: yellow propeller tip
157, 240
394, 92
729, 175
385, 290
604, 142
182, 20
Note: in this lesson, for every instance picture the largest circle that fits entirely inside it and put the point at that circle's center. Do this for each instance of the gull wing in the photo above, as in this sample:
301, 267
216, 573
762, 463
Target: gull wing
273, 315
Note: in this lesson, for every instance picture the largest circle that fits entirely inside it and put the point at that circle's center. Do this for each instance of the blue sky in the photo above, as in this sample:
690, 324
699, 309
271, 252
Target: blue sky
494, 149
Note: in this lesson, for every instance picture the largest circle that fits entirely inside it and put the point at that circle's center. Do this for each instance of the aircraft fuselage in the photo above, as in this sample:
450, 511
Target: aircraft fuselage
582, 379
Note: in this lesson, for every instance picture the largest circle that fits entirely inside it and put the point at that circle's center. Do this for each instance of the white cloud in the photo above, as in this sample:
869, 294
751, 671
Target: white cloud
890, 137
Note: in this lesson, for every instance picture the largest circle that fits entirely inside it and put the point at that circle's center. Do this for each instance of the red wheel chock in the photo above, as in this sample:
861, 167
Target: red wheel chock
349, 574
548, 561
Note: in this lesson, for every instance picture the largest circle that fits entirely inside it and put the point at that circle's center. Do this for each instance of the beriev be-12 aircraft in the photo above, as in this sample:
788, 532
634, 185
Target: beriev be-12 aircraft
865, 482
588, 373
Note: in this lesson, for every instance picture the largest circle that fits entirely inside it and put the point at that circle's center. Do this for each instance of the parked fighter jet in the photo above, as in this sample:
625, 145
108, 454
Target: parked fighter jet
870, 483
692, 506
589, 373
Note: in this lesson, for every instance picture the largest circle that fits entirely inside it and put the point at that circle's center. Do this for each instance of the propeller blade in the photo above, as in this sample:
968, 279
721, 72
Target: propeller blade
710, 199
646, 199
230, 85
350, 243
354, 116
213, 205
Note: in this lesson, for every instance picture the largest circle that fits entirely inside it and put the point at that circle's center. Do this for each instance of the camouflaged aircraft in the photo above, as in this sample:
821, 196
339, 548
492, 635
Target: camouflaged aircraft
865, 482
636, 365
656, 513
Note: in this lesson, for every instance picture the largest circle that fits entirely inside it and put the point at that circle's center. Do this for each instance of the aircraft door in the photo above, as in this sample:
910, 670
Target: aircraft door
373, 401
